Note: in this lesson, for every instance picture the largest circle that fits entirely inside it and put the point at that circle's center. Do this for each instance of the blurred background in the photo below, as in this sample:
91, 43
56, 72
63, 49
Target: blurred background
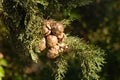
97, 23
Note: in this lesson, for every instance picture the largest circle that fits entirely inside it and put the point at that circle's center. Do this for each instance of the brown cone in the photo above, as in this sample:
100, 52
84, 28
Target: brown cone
52, 53
52, 40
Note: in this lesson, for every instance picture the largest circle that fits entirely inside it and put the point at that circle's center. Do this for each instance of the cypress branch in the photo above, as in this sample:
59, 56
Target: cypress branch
26, 21
89, 58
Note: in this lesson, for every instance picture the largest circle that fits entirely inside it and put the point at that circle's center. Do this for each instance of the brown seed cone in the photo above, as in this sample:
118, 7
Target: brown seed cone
56, 47
47, 23
61, 37
46, 31
57, 29
62, 47
52, 53
42, 45
52, 40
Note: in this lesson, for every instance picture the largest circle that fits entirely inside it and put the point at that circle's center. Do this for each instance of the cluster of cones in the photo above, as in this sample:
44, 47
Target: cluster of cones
53, 38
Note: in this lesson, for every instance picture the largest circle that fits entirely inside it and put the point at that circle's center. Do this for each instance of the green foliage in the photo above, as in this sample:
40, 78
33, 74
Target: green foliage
26, 21
2, 73
62, 9
3, 63
32, 35
62, 65
89, 58
3, 34
0, 4
30, 32
27, 18
99, 24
